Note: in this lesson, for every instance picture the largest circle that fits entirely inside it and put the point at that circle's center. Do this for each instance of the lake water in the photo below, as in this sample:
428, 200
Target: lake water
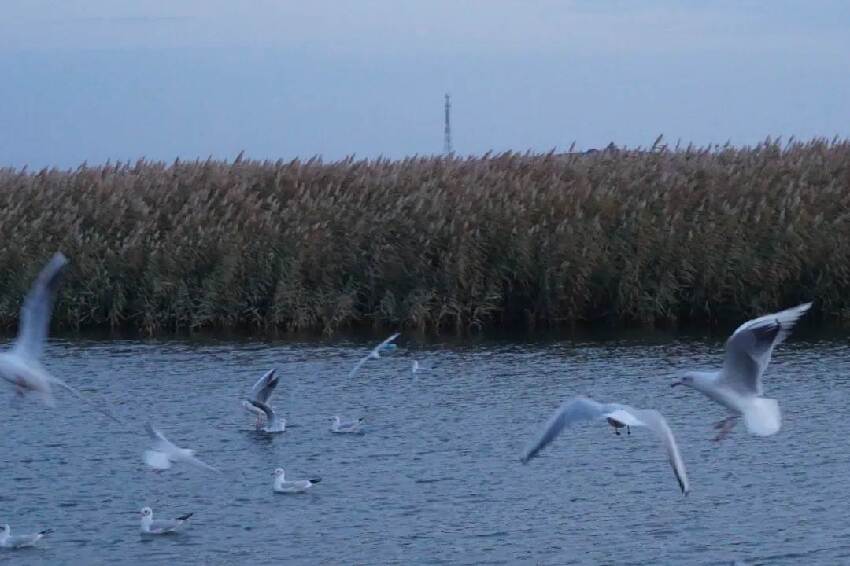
436, 477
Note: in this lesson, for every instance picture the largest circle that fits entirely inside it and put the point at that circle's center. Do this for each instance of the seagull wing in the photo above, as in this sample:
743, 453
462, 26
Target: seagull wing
38, 307
654, 421
263, 389
569, 413
749, 349
94, 405
374, 354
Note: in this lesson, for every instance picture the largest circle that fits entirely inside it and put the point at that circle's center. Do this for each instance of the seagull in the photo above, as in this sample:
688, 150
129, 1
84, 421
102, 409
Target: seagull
737, 386
20, 365
618, 416
340, 426
161, 526
375, 354
295, 486
164, 452
262, 392
273, 423
19, 541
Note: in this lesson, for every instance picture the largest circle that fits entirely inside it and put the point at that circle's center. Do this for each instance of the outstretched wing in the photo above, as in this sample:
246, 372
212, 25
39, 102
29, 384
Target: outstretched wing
200, 463
94, 405
749, 349
654, 421
569, 413
263, 389
375, 353
38, 307
160, 443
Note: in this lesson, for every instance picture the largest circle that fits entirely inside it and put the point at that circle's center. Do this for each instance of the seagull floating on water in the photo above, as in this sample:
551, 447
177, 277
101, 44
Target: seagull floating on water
375, 354
262, 392
20, 365
20, 541
150, 526
294, 486
737, 386
618, 416
273, 423
340, 426
165, 452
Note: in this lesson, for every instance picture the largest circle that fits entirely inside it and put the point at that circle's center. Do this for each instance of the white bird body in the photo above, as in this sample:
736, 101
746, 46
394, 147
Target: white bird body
149, 526
281, 485
165, 452
21, 366
274, 424
738, 385
262, 392
340, 426
7, 540
619, 416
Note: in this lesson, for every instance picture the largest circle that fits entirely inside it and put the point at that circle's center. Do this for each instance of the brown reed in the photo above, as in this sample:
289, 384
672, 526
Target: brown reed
651, 236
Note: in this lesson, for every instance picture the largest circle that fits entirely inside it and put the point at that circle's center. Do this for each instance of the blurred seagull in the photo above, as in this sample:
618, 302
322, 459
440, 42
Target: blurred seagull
375, 354
164, 452
20, 365
618, 416
150, 526
737, 386
261, 392
293, 486
273, 423
340, 426
19, 541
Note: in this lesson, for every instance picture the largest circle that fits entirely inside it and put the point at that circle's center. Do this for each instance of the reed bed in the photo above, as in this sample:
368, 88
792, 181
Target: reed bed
647, 237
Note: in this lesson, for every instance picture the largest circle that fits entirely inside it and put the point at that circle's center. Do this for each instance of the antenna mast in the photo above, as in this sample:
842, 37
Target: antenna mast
447, 131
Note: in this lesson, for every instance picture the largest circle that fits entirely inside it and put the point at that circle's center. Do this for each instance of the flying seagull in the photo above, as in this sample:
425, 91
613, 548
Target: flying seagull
150, 526
261, 392
618, 416
20, 365
374, 354
737, 385
165, 452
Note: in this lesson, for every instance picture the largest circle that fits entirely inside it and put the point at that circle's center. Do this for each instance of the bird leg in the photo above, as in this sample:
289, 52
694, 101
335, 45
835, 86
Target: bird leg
725, 426
616, 424
628, 430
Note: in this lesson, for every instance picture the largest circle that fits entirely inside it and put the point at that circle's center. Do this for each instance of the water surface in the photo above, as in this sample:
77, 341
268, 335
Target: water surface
436, 477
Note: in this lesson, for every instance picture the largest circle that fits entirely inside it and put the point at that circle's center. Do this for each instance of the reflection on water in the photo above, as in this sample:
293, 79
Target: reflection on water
436, 476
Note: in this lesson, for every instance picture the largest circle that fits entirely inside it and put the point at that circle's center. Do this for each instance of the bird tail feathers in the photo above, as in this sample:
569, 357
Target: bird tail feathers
763, 417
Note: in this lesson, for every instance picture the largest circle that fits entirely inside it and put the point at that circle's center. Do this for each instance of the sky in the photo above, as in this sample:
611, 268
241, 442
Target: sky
97, 80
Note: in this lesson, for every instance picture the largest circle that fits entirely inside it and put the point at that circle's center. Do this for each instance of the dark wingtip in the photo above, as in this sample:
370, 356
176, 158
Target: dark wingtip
184, 517
317, 480
45, 532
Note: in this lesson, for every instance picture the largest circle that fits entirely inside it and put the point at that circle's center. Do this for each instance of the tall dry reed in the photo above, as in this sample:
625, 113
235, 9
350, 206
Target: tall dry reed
655, 236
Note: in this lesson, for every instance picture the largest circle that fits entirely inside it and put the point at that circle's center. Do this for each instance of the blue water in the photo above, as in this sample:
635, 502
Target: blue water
436, 477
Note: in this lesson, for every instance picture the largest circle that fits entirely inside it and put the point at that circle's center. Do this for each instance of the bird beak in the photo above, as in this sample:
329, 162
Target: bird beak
675, 383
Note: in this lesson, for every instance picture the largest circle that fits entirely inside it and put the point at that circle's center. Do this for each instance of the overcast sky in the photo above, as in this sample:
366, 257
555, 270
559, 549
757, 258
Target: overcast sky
117, 79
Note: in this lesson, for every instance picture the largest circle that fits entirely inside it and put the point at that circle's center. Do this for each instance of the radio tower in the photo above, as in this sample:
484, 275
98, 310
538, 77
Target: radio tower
447, 131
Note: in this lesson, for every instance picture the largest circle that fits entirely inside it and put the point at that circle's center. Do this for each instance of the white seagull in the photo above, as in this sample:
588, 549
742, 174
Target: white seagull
150, 526
737, 386
20, 541
164, 452
374, 354
340, 426
619, 416
262, 392
273, 423
294, 486
20, 365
